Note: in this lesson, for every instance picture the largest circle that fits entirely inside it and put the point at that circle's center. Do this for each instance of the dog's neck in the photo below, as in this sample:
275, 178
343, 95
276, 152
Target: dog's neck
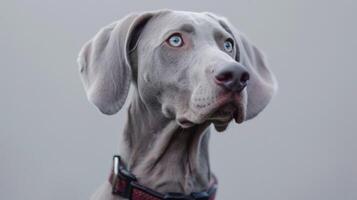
164, 156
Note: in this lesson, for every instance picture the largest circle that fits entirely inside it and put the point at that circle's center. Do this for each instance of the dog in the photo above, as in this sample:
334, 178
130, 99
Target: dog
188, 70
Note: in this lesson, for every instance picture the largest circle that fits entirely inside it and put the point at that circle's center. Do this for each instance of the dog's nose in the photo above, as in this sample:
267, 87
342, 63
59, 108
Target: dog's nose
232, 76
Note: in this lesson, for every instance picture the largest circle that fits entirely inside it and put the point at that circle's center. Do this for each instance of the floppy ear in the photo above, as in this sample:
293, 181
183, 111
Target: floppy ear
104, 62
262, 84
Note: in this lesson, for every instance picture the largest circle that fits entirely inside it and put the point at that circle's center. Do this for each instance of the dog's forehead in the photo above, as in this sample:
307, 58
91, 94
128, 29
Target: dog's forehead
185, 17
176, 20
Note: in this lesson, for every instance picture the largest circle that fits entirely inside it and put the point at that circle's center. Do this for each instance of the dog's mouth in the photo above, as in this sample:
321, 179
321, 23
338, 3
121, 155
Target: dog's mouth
234, 109
221, 112
226, 113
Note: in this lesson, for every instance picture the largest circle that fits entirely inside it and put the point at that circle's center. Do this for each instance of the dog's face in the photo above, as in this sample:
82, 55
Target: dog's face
177, 67
194, 66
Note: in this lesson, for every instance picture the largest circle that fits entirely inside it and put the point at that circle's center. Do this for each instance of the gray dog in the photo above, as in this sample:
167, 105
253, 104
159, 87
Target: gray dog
189, 70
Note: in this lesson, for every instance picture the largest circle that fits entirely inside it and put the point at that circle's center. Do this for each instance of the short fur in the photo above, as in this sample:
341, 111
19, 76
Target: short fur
174, 100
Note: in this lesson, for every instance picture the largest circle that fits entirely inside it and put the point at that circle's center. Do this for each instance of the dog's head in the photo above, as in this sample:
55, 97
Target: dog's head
195, 67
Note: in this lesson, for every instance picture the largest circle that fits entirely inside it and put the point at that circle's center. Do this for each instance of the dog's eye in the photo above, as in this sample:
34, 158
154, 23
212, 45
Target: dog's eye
175, 40
228, 45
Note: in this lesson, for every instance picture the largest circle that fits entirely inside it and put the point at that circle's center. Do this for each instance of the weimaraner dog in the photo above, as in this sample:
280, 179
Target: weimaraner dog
188, 70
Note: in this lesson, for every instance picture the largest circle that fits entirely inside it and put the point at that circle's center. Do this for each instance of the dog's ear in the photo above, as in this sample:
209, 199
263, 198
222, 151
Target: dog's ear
262, 84
105, 65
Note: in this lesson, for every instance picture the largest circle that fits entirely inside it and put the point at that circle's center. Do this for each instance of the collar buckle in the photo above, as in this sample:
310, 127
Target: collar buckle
121, 179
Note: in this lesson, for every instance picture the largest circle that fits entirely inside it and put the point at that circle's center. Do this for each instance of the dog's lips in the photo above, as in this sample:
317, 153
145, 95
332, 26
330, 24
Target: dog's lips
223, 113
230, 108
185, 123
238, 117
238, 114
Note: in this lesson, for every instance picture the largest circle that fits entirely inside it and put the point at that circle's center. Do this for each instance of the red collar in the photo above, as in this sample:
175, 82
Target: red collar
125, 185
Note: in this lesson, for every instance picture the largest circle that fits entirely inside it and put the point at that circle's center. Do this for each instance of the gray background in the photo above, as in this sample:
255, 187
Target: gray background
55, 145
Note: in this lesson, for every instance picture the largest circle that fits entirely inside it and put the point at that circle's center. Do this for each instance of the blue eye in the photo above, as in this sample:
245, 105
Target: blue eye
175, 40
228, 45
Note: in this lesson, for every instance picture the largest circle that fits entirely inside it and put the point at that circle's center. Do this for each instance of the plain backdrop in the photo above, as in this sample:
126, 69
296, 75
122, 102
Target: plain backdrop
55, 145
